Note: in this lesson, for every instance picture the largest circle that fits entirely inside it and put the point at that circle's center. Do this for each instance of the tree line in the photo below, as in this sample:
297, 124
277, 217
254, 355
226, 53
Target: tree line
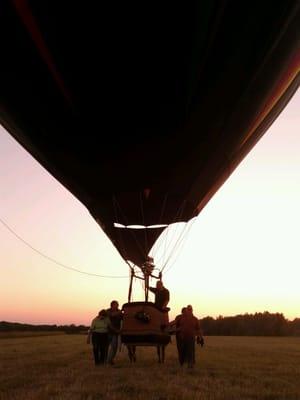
16, 326
258, 324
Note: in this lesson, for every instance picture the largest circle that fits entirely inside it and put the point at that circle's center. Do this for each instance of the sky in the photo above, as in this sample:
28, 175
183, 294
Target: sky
241, 254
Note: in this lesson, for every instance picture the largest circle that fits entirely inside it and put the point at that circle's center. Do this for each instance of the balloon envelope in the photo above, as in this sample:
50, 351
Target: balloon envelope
143, 111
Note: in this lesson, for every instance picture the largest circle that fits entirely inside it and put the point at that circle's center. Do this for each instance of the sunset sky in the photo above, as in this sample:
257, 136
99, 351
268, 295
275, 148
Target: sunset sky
241, 253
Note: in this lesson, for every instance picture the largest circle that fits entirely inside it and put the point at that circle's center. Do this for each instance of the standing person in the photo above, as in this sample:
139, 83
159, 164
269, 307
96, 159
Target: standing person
162, 296
115, 316
188, 330
178, 336
99, 331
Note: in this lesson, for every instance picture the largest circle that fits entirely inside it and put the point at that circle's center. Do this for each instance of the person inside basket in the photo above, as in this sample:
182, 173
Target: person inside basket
162, 296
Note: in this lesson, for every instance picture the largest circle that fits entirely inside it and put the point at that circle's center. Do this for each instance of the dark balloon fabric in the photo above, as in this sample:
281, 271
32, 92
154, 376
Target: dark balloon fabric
143, 110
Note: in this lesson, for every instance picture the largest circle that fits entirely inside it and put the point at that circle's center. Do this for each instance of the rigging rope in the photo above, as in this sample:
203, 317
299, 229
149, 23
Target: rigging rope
142, 252
143, 219
55, 261
184, 238
174, 247
167, 246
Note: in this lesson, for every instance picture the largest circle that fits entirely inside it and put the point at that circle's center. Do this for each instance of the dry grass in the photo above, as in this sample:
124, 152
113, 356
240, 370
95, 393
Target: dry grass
61, 367
22, 334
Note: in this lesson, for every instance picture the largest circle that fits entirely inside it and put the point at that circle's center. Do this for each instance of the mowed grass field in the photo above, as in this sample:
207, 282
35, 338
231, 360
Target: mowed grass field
21, 334
61, 367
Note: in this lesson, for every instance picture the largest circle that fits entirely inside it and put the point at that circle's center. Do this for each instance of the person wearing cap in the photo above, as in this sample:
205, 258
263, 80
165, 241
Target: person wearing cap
115, 316
99, 333
162, 296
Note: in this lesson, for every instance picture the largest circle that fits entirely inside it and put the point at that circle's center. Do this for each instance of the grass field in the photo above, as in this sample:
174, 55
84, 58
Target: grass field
61, 367
22, 334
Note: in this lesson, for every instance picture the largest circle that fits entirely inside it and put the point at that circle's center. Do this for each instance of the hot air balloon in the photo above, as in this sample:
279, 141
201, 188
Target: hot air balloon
143, 110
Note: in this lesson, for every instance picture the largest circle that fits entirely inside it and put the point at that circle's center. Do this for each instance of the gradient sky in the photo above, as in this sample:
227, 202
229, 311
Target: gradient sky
240, 255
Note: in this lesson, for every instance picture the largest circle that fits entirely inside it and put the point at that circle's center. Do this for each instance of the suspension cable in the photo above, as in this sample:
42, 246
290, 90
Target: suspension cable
143, 219
130, 230
175, 246
167, 245
53, 260
183, 240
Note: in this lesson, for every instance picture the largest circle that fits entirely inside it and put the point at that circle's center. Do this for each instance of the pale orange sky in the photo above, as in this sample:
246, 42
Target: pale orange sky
241, 254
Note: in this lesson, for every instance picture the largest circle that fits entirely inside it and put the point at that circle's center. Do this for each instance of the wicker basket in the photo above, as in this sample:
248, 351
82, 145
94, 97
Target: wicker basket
144, 324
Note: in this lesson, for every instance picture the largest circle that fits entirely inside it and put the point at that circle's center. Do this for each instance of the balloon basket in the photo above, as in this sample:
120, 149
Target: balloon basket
144, 325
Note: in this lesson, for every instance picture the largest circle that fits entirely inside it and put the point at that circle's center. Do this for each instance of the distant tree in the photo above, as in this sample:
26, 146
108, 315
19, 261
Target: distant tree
258, 324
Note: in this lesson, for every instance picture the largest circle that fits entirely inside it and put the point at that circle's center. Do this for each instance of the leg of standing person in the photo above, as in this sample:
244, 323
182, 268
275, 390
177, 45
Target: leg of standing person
96, 349
194, 352
103, 347
179, 349
113, 347
184, 350
110, 337
190, 352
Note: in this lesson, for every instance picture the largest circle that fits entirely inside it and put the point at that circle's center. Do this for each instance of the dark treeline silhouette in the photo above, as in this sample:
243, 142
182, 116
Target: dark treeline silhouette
16, 326
258, 324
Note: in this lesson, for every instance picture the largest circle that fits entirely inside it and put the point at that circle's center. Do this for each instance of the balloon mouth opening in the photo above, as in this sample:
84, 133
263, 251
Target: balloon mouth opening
121, 226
